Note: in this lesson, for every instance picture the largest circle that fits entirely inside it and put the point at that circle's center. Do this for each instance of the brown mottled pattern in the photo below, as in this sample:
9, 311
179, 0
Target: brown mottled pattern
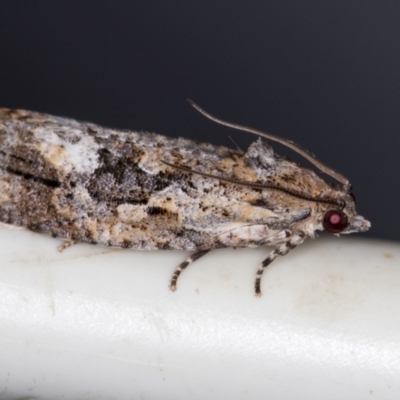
85, 183
82, 182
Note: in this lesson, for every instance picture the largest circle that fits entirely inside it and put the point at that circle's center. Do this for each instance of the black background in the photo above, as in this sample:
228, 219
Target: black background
324, 74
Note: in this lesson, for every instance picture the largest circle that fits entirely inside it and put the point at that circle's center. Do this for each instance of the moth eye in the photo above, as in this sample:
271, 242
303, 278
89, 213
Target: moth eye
335, 221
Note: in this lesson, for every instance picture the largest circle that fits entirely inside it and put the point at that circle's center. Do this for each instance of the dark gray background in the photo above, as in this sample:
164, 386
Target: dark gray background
324, 74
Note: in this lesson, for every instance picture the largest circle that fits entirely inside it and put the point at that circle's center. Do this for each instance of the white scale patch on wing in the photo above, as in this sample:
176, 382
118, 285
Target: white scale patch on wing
64, 155
129, 213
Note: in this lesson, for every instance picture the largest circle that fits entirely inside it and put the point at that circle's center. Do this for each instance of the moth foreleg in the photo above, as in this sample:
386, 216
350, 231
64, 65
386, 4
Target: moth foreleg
279, 251
182, 266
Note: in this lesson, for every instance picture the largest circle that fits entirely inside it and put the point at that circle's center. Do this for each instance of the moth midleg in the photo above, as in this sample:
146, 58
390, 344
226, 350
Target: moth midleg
279, 251
182, 266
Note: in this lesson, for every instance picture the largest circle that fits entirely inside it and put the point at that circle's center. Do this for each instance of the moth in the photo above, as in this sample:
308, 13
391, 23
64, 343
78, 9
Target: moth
81, 182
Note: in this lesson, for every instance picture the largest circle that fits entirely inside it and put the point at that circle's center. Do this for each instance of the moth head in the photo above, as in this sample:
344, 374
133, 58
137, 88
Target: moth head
345, 219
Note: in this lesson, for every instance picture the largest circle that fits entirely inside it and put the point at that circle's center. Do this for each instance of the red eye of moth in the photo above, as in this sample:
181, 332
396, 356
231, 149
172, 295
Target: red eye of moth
335, 221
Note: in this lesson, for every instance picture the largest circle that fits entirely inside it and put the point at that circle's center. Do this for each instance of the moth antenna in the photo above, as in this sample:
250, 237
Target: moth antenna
288, 143
340, 203
237, 146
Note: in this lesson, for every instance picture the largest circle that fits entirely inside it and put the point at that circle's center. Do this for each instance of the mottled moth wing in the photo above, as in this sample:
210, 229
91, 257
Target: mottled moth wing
85, 183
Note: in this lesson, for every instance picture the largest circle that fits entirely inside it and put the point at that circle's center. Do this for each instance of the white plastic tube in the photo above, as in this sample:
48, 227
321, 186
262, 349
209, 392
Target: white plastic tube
99, 323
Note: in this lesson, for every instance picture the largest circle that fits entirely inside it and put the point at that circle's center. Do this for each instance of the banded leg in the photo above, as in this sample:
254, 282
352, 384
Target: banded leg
279, 251
65, 245
182, 266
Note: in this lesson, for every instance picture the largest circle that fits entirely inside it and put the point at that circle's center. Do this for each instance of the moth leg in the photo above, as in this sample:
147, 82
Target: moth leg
65, 245
279, 251
182, 266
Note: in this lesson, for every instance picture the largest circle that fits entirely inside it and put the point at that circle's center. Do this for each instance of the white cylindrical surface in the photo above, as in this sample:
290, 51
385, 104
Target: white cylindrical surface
99, 323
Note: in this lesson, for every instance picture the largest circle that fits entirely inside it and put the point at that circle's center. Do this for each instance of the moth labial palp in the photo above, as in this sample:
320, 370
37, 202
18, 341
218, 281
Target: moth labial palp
81, 182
